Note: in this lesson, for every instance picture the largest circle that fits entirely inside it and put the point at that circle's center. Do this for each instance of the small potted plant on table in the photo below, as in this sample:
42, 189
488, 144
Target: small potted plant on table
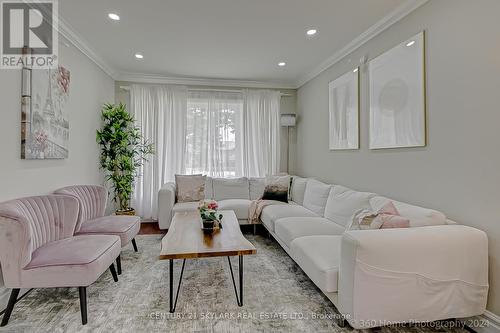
210, 217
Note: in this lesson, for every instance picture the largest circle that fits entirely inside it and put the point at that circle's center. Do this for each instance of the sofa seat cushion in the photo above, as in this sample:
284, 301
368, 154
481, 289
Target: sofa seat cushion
274, 212
319, 258
239, 206
126, 227
181, 207
290, 228
71, 262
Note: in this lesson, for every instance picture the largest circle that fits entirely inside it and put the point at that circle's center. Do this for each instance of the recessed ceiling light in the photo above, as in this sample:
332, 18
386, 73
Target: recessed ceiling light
311, 32
281, 64
410, 43
139, 56
114, 16
355, 70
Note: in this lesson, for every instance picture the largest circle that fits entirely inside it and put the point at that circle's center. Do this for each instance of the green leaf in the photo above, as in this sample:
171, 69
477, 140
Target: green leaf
123, 151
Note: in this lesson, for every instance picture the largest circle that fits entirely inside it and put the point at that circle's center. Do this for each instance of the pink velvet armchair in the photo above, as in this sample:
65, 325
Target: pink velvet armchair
38, 248
92, 221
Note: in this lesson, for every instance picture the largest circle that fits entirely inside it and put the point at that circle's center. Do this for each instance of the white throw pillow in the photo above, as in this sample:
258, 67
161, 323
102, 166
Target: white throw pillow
343, 203
257, 186
231, 188
298, 189
418, 216
315, 196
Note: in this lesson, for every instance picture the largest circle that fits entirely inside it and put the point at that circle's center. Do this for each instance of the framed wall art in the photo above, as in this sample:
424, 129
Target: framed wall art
397, 96
343, 95
44, 117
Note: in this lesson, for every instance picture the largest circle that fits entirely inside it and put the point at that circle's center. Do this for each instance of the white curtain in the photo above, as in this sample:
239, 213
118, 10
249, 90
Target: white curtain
233, 134
214, 128
220, 134
261, 133
160, 112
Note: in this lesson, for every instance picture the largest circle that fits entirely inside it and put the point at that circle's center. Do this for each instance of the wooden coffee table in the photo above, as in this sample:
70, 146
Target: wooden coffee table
186, 240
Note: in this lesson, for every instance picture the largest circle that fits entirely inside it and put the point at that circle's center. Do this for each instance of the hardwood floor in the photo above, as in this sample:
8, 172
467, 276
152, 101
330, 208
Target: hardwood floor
151, 228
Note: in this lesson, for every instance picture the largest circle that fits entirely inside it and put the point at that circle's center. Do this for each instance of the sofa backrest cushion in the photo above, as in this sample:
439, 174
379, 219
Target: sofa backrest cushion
231, 188
298, 189
344, 202
418, 216
315, 196
209, 191
257, 186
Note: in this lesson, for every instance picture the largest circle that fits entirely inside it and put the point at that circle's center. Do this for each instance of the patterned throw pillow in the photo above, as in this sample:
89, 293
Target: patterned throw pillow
276, 188
387, 217
190, 188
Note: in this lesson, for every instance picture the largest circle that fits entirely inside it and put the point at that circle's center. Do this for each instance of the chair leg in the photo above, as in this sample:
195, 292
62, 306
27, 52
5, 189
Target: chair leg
119, 265
83, 303
134, 244
113, 272
10, 306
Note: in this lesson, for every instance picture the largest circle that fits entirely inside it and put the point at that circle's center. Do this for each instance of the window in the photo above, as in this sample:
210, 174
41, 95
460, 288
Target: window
214, 134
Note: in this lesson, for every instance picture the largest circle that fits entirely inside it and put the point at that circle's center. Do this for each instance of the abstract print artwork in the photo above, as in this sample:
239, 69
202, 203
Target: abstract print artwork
344, 111
397, 96
44, 117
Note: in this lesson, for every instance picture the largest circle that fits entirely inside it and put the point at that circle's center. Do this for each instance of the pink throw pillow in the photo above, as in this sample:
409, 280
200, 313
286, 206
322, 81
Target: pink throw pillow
388, 217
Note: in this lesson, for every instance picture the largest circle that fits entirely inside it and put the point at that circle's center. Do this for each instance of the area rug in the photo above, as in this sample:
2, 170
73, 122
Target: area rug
278, 297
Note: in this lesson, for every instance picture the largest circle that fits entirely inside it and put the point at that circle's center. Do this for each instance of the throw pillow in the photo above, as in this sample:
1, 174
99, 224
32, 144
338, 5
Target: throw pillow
276, 188
362, 220
387, 217
190, 188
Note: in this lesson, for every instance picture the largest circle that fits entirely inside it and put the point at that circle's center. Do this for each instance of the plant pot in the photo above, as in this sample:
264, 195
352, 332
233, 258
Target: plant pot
208, 226
129, 212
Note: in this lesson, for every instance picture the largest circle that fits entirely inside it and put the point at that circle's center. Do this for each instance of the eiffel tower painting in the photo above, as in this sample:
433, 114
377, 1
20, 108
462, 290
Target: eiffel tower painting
45, 124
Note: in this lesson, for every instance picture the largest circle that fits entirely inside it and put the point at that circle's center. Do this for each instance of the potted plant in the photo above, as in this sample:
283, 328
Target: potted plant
210, 218
123, 151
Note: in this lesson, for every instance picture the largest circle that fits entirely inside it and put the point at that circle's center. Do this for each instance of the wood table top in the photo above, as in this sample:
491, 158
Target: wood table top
185, 238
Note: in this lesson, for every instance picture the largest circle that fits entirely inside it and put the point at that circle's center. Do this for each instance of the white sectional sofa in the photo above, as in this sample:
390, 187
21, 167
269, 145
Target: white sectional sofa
436, 269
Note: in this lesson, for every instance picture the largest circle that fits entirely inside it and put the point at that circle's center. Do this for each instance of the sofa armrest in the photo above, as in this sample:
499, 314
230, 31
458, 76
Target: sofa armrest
412, 274
166, 202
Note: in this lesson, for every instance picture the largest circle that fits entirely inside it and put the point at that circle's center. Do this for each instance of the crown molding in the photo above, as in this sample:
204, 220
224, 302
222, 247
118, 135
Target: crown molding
162, 79
388, 20
81, 44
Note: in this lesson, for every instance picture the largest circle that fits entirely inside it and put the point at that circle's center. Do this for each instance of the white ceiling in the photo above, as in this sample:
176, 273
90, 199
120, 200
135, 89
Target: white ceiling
239, 40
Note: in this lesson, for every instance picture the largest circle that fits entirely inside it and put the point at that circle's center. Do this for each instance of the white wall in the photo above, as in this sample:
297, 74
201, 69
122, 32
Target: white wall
459, 171
288, 105
89, 89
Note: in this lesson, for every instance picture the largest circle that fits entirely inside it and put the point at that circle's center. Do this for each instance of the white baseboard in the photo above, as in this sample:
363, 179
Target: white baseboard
492, 323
